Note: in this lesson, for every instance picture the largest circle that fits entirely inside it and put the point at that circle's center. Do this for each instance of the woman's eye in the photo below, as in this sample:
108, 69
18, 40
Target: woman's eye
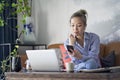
72, 25
79, 25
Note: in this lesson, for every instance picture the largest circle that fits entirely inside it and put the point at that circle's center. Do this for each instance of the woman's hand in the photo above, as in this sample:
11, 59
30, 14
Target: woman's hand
72, 39
75, 53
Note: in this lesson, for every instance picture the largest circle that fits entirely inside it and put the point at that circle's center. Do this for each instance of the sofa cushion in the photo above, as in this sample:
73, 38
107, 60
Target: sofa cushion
109, 60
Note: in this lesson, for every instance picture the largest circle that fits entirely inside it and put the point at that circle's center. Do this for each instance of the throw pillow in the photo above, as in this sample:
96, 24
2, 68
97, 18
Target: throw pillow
65, 56
109, 60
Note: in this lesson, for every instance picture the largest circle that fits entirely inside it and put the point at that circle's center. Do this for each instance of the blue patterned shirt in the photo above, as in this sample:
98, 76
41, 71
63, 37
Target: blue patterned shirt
89, 50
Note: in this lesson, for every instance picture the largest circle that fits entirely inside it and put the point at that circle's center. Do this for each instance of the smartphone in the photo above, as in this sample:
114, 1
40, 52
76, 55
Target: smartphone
69, 48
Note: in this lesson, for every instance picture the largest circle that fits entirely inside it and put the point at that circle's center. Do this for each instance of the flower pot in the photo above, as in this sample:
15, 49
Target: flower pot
16, 64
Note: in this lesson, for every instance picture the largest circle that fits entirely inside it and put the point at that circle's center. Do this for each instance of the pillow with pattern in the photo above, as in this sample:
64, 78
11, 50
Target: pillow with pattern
65, 56
109, 60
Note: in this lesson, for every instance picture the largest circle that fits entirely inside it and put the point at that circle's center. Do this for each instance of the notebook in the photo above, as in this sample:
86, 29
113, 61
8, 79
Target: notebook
43, 60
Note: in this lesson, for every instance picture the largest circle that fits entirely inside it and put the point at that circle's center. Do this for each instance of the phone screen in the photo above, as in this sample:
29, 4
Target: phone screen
69, 47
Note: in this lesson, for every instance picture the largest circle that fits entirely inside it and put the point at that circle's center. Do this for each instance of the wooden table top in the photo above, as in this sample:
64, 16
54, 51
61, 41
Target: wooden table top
80, 75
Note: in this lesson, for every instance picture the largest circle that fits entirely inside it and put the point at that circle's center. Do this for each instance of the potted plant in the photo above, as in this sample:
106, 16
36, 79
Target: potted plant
23, 8
6, 63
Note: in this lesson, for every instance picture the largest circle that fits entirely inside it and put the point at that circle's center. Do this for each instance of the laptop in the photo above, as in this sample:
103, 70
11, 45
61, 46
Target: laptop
43, 60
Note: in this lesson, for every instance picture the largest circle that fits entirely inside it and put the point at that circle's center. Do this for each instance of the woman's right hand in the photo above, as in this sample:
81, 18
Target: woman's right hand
72, 39
75, 53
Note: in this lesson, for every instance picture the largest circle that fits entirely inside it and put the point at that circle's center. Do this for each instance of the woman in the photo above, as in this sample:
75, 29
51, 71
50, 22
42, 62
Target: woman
86, 45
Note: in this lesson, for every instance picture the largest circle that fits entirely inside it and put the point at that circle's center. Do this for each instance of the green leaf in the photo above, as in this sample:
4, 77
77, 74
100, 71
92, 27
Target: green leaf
20, 0
1, 7
17, 26
17, 46
23, 21
6, 4
14, 13
14, 50
14, 5
12, 53
1, 22
23, 31
4, 61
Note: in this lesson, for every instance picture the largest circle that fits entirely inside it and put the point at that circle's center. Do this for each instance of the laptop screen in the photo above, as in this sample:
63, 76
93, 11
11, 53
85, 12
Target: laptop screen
43, 60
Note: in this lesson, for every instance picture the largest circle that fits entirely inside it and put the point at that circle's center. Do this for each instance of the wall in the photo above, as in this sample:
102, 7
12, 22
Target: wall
51, 18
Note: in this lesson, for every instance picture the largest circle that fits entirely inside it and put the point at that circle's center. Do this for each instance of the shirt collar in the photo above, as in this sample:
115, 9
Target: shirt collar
86, 36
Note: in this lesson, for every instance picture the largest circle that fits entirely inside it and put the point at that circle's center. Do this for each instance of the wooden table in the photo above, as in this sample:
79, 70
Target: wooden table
61, 76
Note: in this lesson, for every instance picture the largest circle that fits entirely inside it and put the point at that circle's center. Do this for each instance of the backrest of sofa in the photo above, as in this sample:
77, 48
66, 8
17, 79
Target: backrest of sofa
102, 50
56, 45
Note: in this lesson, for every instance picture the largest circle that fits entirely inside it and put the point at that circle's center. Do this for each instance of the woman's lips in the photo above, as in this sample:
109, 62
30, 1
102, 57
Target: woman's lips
76, 33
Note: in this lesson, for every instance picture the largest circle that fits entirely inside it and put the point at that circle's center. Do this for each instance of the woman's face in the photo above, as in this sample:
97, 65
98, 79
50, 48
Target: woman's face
77, 26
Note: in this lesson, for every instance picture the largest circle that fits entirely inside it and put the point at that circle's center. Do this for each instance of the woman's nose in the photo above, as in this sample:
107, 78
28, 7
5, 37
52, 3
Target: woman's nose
75, 28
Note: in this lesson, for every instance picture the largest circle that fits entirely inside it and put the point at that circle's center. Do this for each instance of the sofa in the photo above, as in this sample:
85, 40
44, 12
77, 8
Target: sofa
105, 49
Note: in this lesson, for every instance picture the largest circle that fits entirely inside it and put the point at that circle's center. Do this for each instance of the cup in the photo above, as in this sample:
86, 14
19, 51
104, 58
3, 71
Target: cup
69, 67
